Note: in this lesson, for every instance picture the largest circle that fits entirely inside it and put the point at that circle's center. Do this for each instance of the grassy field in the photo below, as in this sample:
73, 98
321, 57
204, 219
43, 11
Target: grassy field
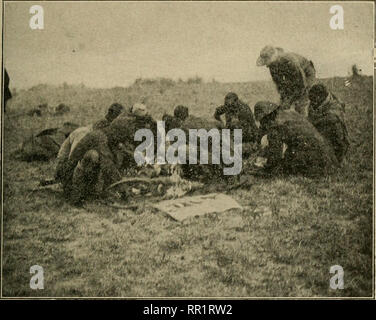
292, 231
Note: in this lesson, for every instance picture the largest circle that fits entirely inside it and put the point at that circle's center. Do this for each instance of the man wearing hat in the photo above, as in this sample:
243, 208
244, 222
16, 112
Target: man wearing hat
326, 113
238, 115
307, 152
293, 75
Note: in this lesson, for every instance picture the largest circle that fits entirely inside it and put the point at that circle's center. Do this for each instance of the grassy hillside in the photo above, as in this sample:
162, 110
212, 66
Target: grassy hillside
283, 244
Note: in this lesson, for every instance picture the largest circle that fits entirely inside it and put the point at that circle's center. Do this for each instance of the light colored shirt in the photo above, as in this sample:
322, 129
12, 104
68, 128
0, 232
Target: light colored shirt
71, 142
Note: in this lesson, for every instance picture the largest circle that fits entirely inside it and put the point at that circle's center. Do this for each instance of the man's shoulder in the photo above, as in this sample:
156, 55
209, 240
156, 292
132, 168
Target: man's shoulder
289, 115
82, 129
283, 63
293, 59
331, 118
94, 134
193, 122
287, 56
294, 56
243, 104
333, 108
336, 103
244, 107
101, 124
80, 132
294, 122
222, 109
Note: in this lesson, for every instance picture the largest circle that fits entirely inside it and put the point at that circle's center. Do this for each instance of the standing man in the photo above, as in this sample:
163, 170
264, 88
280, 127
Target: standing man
293, 75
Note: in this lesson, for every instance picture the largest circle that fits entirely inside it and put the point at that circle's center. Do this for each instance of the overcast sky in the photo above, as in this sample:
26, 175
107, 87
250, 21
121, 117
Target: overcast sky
112, 43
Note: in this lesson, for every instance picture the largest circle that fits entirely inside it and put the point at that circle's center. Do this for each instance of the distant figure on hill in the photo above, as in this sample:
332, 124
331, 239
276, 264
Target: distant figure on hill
293, 75
39, 111
61, 109
356, 72
34, 112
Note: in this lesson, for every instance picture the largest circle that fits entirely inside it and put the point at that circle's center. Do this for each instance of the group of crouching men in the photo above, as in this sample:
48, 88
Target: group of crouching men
305, 133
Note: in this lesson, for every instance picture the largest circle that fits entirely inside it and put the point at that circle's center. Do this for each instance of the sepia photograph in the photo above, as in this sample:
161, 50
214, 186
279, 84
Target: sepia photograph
187, 150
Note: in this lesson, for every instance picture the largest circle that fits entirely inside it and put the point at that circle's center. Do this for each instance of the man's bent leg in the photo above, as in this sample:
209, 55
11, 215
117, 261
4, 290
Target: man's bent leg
85, 176
301, 105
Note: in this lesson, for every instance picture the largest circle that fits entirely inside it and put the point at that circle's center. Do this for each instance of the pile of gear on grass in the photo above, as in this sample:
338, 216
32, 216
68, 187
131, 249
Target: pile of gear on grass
43, 109
305, 133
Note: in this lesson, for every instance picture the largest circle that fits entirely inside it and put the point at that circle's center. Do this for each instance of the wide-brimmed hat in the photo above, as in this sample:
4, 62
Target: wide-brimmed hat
263, 108
181, 112
231, 99
267, 55
116, 108
318, 93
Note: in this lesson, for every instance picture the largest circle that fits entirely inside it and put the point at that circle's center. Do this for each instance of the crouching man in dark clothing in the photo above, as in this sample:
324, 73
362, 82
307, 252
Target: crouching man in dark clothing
307, 153
326, 113
238, 115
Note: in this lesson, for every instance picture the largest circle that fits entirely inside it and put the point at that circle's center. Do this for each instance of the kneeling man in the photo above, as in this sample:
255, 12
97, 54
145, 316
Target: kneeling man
307, 153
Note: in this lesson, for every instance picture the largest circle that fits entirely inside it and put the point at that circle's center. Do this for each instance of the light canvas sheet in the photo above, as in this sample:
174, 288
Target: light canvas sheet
186, 207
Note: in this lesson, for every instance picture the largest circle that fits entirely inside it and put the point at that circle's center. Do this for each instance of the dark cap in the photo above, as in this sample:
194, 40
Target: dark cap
113, 111
181, 112
263, 108
231, 99
318, 93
